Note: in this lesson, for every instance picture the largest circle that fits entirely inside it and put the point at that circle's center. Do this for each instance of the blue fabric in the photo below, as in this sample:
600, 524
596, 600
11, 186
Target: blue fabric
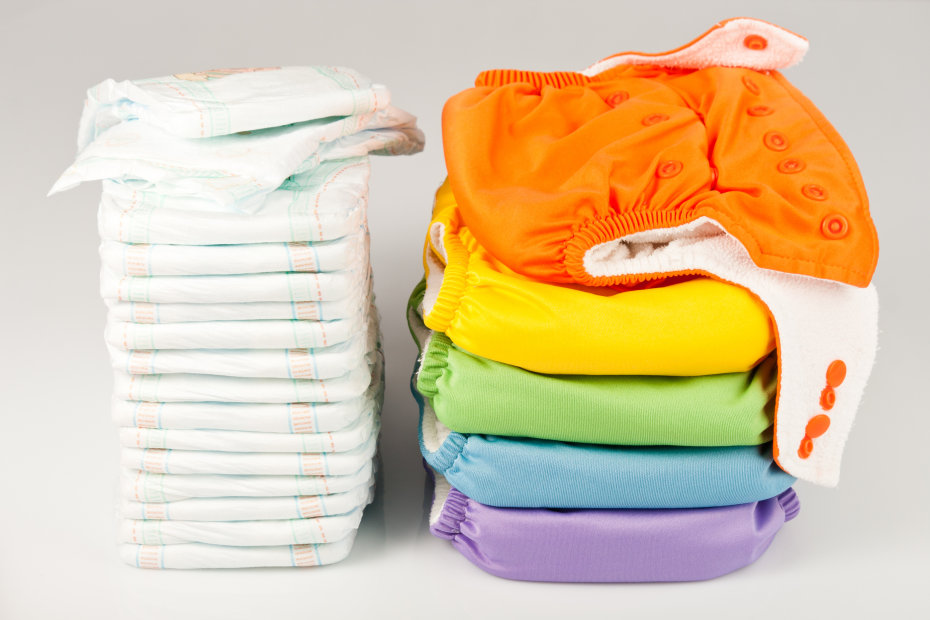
535, 473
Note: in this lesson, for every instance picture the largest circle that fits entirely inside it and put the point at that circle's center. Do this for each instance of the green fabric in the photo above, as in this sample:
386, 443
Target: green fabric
474, 395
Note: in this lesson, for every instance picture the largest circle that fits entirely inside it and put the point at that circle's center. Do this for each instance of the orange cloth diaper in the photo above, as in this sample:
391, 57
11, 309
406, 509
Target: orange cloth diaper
546, 166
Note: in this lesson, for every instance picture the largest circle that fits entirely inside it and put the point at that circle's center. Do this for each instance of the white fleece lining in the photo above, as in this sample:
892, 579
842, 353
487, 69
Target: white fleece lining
440, 494
722, 46
435, 260
818, 321
434, 431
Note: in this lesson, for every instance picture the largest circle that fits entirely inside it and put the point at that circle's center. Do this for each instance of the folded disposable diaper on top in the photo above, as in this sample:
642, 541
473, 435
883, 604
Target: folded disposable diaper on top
248, 376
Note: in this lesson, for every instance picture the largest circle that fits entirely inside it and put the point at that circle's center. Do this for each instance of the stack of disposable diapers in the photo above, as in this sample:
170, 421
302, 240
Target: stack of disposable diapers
646, 312
241, 326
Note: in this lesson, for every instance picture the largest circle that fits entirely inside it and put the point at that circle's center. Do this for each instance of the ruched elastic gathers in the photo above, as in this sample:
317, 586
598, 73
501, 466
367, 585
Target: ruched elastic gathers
694, 327
471, 394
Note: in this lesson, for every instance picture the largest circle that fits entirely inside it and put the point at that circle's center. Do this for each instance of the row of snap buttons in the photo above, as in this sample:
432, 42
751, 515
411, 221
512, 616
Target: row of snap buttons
834, 225
818, 425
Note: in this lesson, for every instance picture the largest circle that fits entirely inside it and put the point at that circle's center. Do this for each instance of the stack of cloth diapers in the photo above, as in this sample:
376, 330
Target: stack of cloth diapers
646, 312
241, 328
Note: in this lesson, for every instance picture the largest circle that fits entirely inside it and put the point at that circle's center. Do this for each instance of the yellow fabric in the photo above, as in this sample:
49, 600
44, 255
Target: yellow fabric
697, 327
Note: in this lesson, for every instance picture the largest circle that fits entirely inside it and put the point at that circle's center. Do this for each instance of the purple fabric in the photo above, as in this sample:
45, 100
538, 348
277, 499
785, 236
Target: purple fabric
612, 545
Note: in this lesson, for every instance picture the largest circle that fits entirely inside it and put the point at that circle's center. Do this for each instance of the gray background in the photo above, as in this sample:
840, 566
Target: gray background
855, 551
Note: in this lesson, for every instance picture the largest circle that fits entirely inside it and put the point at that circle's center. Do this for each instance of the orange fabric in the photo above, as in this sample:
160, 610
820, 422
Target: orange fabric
547, 165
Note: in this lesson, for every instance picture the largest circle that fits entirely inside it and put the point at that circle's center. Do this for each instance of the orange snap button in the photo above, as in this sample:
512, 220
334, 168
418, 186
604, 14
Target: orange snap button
817, 425
836, 373
791, 165
834, 226
755, 42
759, 110
750, 85
806, 447
652, 119
827, 398
668, 169
617, 98
815, 192
776, 141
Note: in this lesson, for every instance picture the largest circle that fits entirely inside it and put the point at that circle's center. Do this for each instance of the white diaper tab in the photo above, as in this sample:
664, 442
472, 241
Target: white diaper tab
218, 102
199, 555
251, 508
147, 487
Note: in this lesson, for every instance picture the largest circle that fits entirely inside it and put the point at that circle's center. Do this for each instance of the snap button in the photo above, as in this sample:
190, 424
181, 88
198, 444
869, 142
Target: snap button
827, 398
836, 373
775, 140
817, 425
759, 110
806, 447
814, 192
755, 42
668, 169
834, 226
652, 119
791, 165
617, 98
750, 85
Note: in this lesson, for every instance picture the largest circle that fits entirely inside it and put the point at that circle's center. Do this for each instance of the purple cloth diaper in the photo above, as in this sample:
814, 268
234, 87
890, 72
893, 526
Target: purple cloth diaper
538, 544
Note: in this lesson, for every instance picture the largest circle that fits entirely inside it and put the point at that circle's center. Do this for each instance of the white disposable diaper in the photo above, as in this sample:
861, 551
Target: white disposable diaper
234, 171
256, 417
199, 555
312, 363
251, 508
214, 388
240, 533
326, 203
148, 313
260, 463
142, 486
228, 334
318, 363
142, 259
224, 101
289, 287
244, 441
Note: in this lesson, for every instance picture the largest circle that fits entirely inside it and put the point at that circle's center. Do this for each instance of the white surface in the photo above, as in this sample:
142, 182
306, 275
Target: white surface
855, 552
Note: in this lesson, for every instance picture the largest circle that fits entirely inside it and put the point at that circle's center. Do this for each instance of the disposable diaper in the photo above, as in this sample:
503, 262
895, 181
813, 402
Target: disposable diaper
125, 259
259, 463
225, 101
199, 555
143, 486
251, 508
